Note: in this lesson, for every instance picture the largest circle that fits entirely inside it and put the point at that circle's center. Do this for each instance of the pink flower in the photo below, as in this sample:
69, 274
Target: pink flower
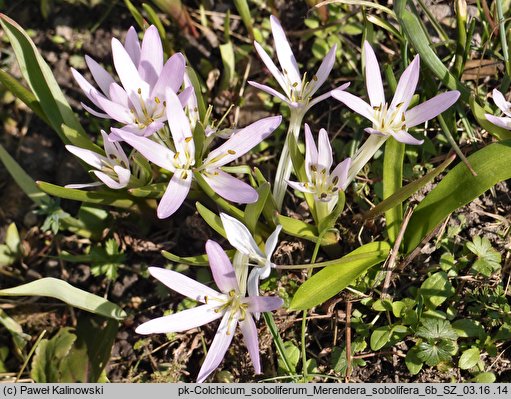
504, 106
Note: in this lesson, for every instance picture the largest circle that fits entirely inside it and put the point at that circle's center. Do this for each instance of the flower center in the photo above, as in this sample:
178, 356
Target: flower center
388, 120
300, 92
185, 158
233, 305
147, 110
321, 183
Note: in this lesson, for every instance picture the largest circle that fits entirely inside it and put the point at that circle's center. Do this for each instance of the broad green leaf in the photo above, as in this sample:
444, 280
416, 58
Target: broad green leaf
18, 336
199, 260
466, 328
436, 289
59, 289
22, 179
93, 197
458, 188
155, 190
292, 354
485, 378
380, 337
488, 258
332, 279
412, 361
407, 191
433, 353
479, 113
297, 228
469, 358
420, 42
435, 329
253, 211
392, 182
39, 77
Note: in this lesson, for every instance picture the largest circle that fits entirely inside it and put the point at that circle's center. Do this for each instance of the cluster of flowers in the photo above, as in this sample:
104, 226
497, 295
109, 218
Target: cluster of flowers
153, 95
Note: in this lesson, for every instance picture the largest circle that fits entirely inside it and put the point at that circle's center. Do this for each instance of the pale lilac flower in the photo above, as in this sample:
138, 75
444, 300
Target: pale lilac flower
182, 162
241, 239
321, 183
297, 90
394, 119
138, 102
112, 169
230, 304
505, 107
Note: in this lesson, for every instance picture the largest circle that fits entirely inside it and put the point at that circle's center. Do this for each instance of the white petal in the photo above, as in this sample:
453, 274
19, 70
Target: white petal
373, 77
271, 242
151, 56
181, 321
431, 108
116, 111
285, 54
311, 152
355, 103
239, 237
221, 268
127, 71
92, 158
175, 194
179, 127
94, 112
109, 182
86, 87
500, 101
407, 84
503, 122
325, 157
323, 71
405, 137
84, 185
184, 285
102, 77
272, 68
250, 338
229, 187
270, 91
132, 46
171, 76
341, 171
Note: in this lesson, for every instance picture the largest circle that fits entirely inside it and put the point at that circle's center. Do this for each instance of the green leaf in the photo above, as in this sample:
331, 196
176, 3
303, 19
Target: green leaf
407, 191
211, 218
244, 11
380, 337
466, 328
55, 288
39, 77
436, 289
155, 190
484, 378
18, 336
199, 260
93, 197
253, 211
434, 353
12, 239
435, 329
412, 361
135, 13
479, 113
458, 188
297, 228
469, 358
392, 182
332, 279
488, 259
292, 354
228, 61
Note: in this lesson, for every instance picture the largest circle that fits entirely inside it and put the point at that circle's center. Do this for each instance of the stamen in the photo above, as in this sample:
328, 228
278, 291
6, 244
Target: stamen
156, 100
314, 78
184, 175
335, 180
139, 91
232, 152
188, 139
176, 155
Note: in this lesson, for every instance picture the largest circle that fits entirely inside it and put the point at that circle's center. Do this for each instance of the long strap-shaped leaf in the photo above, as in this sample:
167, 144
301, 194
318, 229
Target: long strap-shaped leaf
41, 81
492, 165
59, 289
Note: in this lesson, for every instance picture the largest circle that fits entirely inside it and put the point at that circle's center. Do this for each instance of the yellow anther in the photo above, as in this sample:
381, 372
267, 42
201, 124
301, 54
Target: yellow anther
232, 152
188, 139
184, 175
156, 100
176, 155
139, 91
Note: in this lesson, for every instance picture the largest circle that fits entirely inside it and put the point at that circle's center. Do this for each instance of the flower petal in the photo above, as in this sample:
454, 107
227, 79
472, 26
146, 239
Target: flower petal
354, 103
243, 141
127, 71
184, 285
109, 182
405, 137
323, 71
503, 122
221, 268
285, 54
325, 157
253, 286
270, 91
229, 187
370, 130
171, 76
100, 75
94, 112
151, 56
179, 127
251, 340
123, 174
374, 84
86, 87
116, 111
132, 45
118, 95
154, 152
500, 101
114, 150
272, 68
271, 242
239, 237
263, 303
175, 194
311, 152
431, 108
299, 186
181, 321
341, 171
92, 158
84, 185
219, 346
407, 85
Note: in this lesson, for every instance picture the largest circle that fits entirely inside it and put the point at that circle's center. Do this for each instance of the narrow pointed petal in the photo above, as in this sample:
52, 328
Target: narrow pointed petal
123, 175
179, 126
243, 141
354, 103
324, 70
325, 157
221, 268
154, 152
113, 149
116, 111
272, 67
229, 187
184, 285
171, 76
118, 95
84, 185
219, 346
431, 108
94, 112
86, 87
285, 54
127, 71
263, 303
270, 91
239, 236
251, 341
299, 186
175, 194
374, 84
92, 158
151, 56
370, 130
272, 241
109, 182
253, 285
102, 77
406, 138
500, 101
311, 151
181, 321
341, 171
132, 45
503, 122
407, 84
